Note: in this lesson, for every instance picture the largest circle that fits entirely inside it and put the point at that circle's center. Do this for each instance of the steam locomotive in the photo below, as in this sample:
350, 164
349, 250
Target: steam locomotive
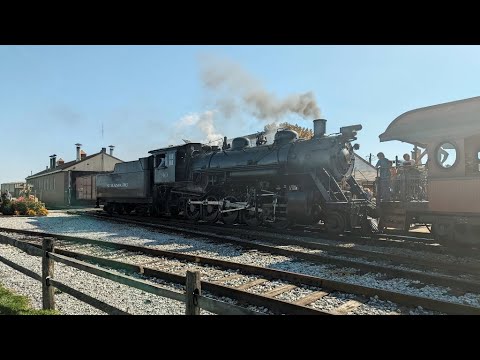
290, 181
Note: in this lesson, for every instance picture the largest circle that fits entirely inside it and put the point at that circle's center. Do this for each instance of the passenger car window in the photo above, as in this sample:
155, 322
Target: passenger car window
446, 155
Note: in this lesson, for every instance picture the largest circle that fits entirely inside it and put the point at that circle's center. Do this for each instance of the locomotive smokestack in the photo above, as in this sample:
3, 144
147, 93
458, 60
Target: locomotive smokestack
319, 127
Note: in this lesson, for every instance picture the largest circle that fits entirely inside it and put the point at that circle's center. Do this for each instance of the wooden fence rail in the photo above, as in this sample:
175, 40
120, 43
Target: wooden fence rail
193, 299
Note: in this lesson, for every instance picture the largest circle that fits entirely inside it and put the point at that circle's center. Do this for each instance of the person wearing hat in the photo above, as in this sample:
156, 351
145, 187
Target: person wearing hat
383, 165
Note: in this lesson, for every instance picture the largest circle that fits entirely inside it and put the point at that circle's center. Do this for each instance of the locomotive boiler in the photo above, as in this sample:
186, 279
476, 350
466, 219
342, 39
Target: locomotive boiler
290, 181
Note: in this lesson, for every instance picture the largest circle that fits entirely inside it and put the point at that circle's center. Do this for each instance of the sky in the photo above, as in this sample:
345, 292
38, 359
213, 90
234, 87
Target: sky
141, 98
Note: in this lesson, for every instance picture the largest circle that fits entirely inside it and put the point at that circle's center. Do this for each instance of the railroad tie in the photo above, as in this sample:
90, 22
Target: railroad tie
227, 278
153, 262
279, 290
347, 307
251, 284
310, 298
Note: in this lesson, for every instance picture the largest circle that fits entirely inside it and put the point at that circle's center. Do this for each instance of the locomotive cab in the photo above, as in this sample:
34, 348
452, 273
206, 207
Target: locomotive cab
171, 164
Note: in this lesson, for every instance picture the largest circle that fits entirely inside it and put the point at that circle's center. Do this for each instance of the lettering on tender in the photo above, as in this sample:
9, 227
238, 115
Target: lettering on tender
117, 185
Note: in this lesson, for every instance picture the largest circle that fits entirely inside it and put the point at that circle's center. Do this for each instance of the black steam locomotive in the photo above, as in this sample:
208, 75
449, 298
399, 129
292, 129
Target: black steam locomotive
290, 181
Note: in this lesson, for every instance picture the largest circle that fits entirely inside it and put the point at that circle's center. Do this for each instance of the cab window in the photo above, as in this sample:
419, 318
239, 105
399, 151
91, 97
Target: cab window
160, 160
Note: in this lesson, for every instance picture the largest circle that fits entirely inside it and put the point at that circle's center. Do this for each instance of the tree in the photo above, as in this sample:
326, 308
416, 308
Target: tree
303, 132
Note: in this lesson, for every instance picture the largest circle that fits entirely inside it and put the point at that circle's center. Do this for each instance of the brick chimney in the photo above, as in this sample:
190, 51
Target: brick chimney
83, 154
53, 161
111, 149
104, 150
78, 152
60, 162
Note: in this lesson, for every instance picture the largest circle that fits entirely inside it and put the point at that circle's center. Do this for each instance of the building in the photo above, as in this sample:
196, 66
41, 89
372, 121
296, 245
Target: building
364, 172
64, 184
13, 188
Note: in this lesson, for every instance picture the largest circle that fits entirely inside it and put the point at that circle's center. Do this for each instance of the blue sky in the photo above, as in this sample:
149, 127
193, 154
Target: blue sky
147, 97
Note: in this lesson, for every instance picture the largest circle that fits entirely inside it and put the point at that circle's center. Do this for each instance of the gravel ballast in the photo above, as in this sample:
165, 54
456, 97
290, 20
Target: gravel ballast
124, 297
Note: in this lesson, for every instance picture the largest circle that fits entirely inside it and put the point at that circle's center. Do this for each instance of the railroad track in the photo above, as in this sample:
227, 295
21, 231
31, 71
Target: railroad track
457, 275
257, 286
311, 234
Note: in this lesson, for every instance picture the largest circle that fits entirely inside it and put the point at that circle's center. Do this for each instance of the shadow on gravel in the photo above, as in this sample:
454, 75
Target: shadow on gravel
70, 225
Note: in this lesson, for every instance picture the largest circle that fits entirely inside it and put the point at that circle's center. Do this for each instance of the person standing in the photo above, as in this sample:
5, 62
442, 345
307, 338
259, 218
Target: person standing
383, 165
406, 160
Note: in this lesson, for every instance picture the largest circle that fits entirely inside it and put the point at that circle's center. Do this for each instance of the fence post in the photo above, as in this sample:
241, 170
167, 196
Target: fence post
47, 272
193, 288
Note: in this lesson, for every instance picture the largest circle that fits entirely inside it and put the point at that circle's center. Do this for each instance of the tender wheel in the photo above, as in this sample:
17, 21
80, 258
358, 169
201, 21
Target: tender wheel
108, 208
119, 209
128, 209
192, 212
231, 217
335, 223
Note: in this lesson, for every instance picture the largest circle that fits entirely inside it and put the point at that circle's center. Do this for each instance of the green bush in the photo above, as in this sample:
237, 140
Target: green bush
24, 206
7, 209
20, 207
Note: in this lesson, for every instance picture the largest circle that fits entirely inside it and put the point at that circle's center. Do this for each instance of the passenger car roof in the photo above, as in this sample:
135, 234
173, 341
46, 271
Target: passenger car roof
458, 119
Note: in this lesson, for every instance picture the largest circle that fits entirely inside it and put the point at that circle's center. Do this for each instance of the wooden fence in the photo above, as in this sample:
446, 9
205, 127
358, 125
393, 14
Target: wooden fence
193, 298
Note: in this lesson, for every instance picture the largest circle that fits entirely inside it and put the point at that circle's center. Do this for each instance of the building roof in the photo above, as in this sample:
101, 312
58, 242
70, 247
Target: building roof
420, 126
363, 170
66, 165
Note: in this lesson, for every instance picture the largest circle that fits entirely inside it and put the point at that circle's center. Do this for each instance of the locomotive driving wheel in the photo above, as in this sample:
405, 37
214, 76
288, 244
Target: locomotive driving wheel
252, 219
210, 211
192, 211
335, 223
279, 219
230, 217
174, 212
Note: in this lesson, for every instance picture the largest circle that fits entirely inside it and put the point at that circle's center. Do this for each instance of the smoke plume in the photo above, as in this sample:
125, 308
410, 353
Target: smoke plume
199, 125
236, 90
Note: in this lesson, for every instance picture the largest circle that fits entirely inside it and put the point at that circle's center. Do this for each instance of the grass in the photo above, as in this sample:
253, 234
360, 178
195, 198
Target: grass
12, 304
